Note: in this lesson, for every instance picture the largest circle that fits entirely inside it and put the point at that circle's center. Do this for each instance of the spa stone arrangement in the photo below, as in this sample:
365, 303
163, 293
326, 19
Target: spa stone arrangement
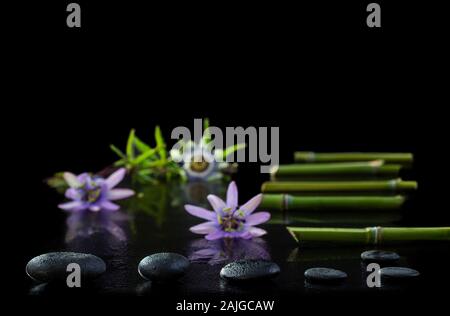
329, 191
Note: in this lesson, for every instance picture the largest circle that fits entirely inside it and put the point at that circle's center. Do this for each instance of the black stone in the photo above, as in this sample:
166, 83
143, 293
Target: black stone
379, 256
247, 270
53, 266
325, 275
398, 273
163, 266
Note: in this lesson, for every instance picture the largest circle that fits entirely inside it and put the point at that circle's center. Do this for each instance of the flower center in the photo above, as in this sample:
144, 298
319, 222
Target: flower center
199, 164
229, 222
92, 192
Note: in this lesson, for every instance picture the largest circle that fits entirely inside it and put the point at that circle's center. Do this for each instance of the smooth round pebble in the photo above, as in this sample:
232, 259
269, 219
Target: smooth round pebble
53, 266
248, 270
398, 273
379, 256
325, 275
164, 266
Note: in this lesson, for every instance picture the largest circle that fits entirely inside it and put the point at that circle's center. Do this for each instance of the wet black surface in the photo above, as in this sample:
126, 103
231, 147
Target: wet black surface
158, 223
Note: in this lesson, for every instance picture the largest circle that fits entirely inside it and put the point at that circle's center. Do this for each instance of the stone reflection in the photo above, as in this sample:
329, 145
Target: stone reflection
223, 251
105, 235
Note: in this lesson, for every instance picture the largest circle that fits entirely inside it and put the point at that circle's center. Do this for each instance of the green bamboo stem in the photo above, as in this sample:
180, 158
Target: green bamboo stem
374, 168
396, 185
324, 203
370, 235
342, 177
341, 218
395, 158
333, 218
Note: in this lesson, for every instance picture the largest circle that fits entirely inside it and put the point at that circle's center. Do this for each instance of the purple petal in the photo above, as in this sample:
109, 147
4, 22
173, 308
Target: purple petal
257, 218
257, 232
215, 235
232, 195
109, 206
217, 203
200, 212
73, 194
73, 206
71, 180
115, 178
246, 235
251, 205
118, 194
204, 228
83, 178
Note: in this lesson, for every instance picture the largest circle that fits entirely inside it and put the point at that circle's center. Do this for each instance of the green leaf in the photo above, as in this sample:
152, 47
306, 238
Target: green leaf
144, 156
130, 143
145, 172
182, 174
57, 182
119, 163
140, 145
118, 151
144, 178
228, 151
160, 143
158, 137
206, 133
158, 163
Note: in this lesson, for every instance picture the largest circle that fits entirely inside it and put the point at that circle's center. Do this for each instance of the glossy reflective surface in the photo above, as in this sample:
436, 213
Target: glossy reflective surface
155, 221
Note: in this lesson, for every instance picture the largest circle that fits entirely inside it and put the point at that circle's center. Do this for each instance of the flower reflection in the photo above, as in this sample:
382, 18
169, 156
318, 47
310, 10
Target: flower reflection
85, 224
98, 233
152, 201
226, 250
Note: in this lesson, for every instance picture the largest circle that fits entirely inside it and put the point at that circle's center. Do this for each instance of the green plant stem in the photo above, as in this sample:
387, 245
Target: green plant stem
324, 203
395, 158
370, 235
340, 218
375, 168
396, 185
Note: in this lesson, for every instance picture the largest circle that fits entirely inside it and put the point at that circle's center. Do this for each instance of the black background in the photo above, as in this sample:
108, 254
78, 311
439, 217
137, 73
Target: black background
314, 69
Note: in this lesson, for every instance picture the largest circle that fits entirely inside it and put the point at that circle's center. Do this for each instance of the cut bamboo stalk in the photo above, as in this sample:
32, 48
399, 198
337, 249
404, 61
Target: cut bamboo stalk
370, 235
372, 168
325, 203
341, 218
334, 219
394, 158
396, 185
342, 177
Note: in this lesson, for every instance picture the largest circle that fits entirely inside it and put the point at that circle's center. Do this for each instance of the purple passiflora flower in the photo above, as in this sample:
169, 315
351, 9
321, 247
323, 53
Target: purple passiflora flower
228, 220
94, 193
